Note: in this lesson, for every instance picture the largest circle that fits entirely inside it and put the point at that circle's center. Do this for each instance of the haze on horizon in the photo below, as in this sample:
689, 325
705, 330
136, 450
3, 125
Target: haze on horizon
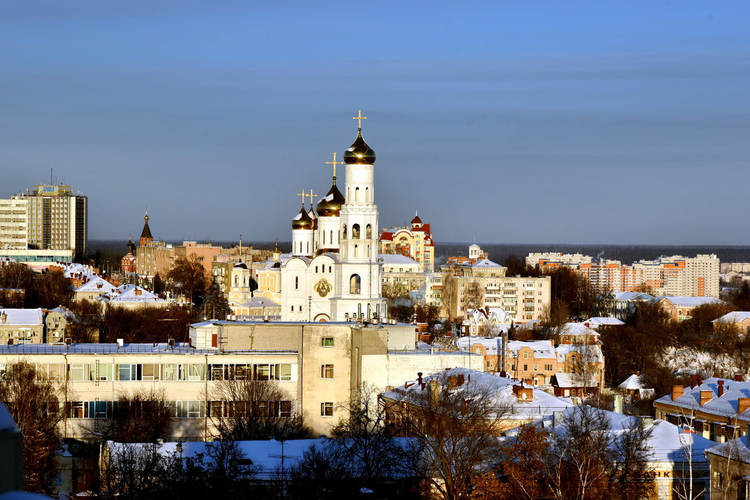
574, 122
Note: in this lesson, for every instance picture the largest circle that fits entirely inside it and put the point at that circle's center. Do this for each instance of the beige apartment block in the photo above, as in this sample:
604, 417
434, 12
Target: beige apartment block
14, 223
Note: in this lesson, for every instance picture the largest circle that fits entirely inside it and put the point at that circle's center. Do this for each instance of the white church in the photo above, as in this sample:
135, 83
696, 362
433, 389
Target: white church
333, 272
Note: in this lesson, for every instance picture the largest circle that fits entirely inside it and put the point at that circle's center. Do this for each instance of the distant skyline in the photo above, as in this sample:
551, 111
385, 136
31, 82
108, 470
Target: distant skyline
580, 122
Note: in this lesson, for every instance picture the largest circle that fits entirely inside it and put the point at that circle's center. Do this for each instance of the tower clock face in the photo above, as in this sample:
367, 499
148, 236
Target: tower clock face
323, 287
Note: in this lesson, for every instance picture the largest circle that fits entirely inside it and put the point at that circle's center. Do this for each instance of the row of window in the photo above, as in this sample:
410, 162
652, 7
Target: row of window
194, 409
187, 409
168, 372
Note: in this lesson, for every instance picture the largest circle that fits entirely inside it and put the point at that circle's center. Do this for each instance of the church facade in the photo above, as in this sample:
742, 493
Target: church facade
333, 272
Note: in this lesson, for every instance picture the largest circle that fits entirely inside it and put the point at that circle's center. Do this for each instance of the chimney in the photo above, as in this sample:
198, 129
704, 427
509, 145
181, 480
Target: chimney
452, 382
434, 393
419, 377
693, 381
721, 388
743, 404
525, 394
461, 379
706, 397
677, 391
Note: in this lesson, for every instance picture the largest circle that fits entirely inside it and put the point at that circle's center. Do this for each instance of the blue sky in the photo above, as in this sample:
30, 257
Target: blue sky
518, 121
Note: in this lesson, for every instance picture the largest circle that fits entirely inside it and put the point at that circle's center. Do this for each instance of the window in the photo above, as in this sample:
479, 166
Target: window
343, 235
296, 282
326, 371
525, 368
326, 409
326, 342
548, 368
369, 231
355, 231
355, 284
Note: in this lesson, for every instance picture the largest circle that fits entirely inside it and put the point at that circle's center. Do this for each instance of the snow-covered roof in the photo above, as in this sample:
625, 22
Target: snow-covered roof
739, 449
733, 317
542, 348
578, 329
26, 317
96, 284
725, 405
603, 321
259, 302
666, 442
145, 348
682, 301
633, 382
632, 296
575, 380
487, 263
388, 258
131, 293
501, 388
592, 352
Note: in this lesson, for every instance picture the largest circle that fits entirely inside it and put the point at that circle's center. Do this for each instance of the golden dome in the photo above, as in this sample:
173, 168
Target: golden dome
330, 204
302, 220
359, 152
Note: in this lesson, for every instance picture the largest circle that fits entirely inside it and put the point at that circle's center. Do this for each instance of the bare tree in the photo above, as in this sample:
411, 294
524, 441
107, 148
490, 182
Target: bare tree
456, 428
141, 416
365, 439
34, 403
188, 278
243, 409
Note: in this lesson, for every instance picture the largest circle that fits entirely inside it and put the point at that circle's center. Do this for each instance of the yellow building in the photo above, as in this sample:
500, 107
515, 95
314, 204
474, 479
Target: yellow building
414, 242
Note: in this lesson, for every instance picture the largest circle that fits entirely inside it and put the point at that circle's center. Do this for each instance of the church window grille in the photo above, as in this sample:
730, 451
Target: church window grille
355, 284
355, 232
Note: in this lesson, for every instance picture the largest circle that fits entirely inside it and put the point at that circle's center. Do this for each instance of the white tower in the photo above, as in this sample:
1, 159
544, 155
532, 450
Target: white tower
358, 282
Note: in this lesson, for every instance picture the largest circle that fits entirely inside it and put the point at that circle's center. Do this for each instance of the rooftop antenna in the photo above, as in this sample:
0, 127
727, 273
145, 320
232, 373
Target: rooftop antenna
50, 176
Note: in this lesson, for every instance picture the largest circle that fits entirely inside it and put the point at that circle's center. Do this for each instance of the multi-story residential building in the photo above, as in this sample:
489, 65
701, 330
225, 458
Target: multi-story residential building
414, 242
676, 275
401, 274
51, 217
14, 223
482, 283
540, 362
716, 408
57, 219
681, 308
21, 326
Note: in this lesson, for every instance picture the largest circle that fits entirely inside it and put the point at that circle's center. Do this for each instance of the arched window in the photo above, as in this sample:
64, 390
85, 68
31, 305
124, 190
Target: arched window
316, 269
367, 194
296, 282
368, 231
356, 194
355, 232
343, 235
324, 237
355, 284
329, 269
331, 236
236, 280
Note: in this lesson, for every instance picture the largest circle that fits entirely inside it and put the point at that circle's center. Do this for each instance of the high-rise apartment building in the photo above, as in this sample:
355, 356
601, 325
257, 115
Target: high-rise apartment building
675, 275
53, 218
14, 224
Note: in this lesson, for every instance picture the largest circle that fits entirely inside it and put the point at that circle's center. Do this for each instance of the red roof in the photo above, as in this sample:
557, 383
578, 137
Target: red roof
416, 220
387, 236
425, 228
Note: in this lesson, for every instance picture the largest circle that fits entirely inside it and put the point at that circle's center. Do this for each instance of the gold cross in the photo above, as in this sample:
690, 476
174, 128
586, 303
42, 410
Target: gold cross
334, 163
360, 118
311, 196
302, 194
